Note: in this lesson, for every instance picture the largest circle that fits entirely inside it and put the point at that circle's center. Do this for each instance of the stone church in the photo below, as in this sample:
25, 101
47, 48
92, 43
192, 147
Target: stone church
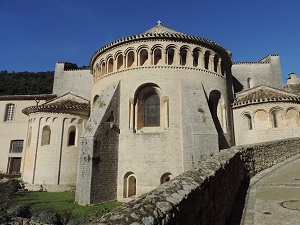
149, 107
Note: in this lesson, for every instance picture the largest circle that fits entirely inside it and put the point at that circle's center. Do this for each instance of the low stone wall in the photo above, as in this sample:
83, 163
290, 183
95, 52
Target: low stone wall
205, 195
201, 196
258, 157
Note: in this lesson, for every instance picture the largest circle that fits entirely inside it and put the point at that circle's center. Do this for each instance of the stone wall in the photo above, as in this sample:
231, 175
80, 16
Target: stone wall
98, 154
265, 71
258, 157
205, 195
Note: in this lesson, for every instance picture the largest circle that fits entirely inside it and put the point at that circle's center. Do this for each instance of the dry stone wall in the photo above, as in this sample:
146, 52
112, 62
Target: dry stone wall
205, 195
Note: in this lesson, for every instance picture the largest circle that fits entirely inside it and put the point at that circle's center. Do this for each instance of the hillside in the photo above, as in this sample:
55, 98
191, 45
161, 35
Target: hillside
26, 83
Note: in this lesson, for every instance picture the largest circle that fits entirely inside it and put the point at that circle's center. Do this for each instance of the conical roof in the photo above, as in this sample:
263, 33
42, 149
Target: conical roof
159, 29
160, 32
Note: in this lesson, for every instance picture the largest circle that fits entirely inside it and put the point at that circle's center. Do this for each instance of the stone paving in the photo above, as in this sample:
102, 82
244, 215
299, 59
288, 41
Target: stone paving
274, 195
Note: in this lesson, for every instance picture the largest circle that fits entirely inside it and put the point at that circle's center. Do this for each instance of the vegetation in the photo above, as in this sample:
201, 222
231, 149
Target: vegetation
47, 207
26, 83
7, 197
53, 206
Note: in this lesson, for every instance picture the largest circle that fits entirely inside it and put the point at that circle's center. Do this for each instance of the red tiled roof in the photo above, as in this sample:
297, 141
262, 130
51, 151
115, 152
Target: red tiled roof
66, 106
263, 94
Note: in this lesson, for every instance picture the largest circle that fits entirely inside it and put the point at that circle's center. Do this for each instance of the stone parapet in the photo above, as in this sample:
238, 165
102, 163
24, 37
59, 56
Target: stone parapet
205, 195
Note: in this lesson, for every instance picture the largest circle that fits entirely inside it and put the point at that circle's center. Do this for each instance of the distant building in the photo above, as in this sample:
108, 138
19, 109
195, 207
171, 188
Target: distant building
149, 107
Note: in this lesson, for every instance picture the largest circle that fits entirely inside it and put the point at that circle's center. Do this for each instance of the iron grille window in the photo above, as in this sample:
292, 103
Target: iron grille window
16, 146
151, 110
9, 112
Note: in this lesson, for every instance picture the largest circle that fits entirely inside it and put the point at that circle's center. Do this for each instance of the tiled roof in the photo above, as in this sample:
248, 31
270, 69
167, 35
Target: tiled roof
27, 97
67, 106
263, 94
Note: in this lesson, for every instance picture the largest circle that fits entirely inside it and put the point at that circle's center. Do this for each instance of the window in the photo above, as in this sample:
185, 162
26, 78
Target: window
16, 146
46, 134
14, 165
129, 185
9, 112
247, 121
165, 178
151, 110
183, 57
143, 57
170, 56
72, 136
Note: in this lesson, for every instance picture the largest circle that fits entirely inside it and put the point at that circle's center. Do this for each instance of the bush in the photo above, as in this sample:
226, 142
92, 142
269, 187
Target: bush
7, 191
20, 211
47, 216
78, 221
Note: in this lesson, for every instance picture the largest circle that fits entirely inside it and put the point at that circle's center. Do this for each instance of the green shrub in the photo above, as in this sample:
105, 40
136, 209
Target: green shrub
19, 211
7, 197
78, 221
48, 216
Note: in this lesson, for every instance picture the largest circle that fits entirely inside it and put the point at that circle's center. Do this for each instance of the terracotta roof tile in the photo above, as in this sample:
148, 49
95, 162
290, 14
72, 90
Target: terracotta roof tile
262, 94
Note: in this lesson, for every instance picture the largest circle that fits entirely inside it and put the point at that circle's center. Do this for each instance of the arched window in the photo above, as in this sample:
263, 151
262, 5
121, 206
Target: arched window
170, 56
129, 185
71, 136
46, 135
195, 57
247, 122
110, 64
165, 178
151, 110
9, 112
216, 63
206, 60
157, 56
183, 56
130, 59
119, 61
103, 68
143, 57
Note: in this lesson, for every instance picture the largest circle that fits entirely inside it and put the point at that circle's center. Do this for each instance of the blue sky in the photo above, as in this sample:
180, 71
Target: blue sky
35, 34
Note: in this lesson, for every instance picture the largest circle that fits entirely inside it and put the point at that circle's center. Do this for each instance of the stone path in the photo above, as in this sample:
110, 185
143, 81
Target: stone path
274, 195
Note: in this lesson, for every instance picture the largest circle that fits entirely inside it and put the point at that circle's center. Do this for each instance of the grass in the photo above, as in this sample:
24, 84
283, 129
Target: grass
62, 203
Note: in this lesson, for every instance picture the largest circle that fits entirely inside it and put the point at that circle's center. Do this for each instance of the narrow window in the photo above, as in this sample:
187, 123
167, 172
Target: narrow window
46, 134
170, 56
72, 136
130, 59
9, 112
103, 68
110, 65
249, 82
151, 110
120, 62
195, 57
183, 57
216, 62
143, 57
206, 60
16, 146
157, 56
247, 122
131, 186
